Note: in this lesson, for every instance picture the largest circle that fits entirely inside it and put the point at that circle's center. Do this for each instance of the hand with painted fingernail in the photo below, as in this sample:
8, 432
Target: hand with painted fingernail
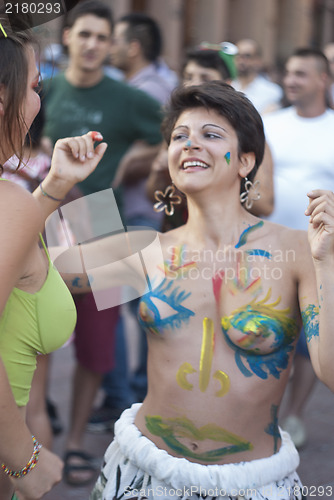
96, 136
74, 159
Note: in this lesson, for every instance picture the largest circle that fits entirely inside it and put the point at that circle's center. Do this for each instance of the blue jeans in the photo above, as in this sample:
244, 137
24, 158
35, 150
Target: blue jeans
116, 383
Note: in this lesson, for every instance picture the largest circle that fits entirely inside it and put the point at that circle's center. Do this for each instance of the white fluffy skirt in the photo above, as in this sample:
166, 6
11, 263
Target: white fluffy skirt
135, 468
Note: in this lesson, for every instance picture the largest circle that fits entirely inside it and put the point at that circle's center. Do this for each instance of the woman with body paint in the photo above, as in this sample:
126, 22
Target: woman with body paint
223, 322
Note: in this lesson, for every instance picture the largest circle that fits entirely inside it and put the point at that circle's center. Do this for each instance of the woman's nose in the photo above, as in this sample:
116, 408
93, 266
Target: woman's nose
191, 144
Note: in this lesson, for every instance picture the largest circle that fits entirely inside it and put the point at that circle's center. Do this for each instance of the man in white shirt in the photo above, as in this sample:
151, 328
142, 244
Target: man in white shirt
301, 141
264, 94
329, 53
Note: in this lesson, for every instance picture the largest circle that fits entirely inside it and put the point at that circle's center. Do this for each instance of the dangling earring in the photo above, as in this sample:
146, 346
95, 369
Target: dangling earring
251, 193
166, 200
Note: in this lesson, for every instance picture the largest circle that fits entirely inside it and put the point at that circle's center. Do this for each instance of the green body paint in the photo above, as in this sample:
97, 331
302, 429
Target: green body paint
172, 429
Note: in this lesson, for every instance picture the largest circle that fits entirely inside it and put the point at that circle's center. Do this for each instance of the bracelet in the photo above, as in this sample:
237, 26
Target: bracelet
30, 465
44, 193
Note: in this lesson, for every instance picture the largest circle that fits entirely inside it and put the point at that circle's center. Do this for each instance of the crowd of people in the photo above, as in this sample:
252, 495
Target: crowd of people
235, 185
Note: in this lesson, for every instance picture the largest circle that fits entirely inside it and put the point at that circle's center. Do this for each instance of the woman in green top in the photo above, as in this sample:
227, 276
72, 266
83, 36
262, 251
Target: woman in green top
32, 293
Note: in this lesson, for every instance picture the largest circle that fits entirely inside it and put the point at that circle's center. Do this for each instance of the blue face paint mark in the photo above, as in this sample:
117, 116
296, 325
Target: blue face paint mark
310, 317
158, 302
272, 429
188, 143
228, 158
244, 235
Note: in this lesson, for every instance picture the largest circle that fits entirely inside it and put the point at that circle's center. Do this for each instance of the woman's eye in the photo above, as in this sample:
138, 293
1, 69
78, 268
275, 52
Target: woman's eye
178, 137
212, 135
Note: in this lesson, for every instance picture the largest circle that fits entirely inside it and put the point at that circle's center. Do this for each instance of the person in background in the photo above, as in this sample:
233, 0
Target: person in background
300, 138
79, 99
208, 62
264, 94
329, 53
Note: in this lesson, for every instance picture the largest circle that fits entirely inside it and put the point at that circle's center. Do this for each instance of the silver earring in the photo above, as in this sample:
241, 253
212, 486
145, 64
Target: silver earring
166, 200
251, 193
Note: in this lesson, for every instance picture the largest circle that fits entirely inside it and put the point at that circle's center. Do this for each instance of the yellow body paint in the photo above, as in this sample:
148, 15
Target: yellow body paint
224, 379
206, 354
204, 365
184, 370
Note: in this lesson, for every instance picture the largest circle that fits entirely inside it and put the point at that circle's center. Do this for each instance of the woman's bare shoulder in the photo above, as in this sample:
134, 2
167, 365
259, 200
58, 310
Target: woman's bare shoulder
19, 208
286, 236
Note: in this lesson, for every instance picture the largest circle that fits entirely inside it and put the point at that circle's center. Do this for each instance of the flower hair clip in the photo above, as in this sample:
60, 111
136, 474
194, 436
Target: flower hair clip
251, 193
166, 200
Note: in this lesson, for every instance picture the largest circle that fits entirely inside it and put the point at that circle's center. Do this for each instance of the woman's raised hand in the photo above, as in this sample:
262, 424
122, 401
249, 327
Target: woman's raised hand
321, 224
75, 158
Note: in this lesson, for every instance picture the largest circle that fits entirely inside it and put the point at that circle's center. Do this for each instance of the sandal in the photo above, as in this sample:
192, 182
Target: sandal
84, 463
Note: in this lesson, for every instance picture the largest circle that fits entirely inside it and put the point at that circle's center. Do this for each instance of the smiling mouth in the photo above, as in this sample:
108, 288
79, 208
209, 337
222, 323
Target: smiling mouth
190, 164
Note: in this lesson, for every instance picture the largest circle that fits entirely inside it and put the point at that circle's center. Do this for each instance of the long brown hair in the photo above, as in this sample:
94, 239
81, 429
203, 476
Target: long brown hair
13, 77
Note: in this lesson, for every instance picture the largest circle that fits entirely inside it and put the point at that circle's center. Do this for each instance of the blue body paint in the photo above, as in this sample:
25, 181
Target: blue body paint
310, 317
244, 235
149, 314
258, 251
76, 282
228, 157
256, 324
272, 428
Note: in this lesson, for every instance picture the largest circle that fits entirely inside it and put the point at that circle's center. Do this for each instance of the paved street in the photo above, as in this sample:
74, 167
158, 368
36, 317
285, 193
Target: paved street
317, 457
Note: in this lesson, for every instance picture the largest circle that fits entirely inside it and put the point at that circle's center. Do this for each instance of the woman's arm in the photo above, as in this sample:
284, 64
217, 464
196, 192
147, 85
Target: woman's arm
127, 258
17, 447
321, 240
73, 160
20, 223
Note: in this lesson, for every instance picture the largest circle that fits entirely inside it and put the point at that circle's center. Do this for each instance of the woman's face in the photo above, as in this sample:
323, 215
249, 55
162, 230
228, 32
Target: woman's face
32, 102
203, 151
30, 107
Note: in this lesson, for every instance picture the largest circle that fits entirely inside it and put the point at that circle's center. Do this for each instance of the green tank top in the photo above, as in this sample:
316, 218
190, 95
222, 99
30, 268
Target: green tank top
34, 323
